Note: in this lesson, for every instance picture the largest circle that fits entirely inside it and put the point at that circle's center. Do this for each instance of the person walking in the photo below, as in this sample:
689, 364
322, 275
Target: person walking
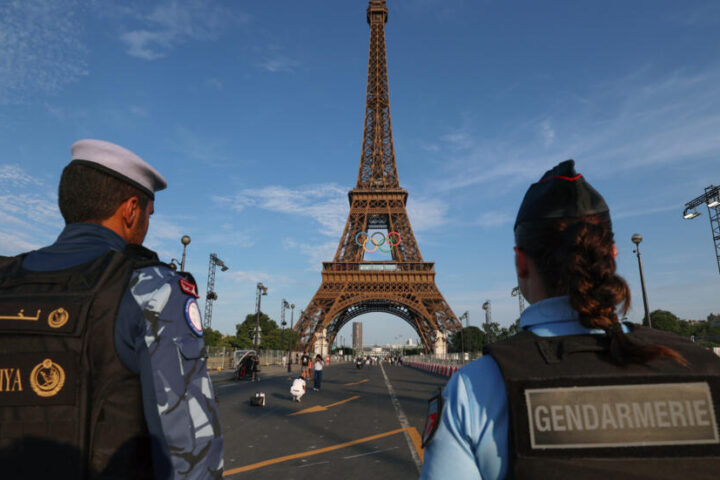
106, 341
318, 370
577, 393
305, 366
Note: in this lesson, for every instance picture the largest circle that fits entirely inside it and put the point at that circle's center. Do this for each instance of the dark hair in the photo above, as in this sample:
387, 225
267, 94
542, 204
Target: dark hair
575, 257
86, 194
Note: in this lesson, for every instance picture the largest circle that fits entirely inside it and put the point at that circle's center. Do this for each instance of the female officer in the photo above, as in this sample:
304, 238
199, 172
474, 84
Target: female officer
576, 394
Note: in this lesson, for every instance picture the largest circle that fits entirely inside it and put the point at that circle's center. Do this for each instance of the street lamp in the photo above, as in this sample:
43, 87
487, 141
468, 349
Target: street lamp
292, 313
517, 293
260, 291
711, 198
466, 317
185, 241
488, 319
636, 239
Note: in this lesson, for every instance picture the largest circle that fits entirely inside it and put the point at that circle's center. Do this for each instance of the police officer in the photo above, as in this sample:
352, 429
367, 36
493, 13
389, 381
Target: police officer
102, 343
576, 394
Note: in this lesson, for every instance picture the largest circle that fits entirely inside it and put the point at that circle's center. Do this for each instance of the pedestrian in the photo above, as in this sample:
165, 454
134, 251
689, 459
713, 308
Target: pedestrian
284, 361
297, 390
297, 359
577, 393
305, 362
110, 365
255, 367
318, 370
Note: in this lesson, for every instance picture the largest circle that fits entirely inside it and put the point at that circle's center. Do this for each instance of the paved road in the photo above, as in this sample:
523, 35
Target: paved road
353, 429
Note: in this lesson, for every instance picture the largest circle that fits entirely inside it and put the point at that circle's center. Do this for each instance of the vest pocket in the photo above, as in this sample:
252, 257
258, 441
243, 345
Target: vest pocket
191, 348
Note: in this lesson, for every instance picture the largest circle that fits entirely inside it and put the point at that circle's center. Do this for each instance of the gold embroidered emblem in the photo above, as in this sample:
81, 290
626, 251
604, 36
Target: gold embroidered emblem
47, 378
57, 318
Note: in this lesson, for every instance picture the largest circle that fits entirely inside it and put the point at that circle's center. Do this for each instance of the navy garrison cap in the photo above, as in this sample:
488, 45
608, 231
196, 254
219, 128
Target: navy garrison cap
560, 193
119, 162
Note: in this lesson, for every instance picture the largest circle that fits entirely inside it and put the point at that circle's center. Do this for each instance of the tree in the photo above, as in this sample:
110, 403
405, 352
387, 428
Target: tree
472, 339
245, 331
212, 337
666, 321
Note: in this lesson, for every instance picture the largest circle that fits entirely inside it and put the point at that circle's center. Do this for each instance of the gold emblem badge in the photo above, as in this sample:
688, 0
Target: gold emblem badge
57, 318
47, 378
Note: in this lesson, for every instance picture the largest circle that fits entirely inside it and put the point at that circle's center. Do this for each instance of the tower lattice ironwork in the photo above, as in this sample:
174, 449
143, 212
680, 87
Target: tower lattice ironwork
352, 285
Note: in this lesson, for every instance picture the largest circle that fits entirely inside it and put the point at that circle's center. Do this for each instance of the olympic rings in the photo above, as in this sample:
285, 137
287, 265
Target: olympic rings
378, 243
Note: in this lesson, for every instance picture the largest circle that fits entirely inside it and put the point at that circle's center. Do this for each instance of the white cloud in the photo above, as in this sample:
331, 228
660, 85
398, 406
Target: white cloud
641, 120
214, 83
280, 64
16, 176
324, 203
494, 219
426, 214
174, 23
42, 48
547, 132
315, 253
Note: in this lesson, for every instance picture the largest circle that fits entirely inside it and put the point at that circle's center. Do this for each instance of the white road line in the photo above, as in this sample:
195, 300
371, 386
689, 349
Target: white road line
370, 453
312, 464
403, 420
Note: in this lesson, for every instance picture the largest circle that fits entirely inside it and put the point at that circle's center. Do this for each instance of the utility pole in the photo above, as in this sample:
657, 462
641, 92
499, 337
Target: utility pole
636, 239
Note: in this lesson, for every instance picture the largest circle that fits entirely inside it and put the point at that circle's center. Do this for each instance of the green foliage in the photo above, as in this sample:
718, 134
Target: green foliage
704, 333
471, 338
212, 337
271, 337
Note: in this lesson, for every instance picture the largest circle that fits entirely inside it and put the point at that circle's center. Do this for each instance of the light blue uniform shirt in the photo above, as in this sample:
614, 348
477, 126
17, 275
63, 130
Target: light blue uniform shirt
471, 441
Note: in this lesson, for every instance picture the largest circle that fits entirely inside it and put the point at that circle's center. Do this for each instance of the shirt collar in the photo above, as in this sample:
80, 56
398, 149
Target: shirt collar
85, 233
548, 310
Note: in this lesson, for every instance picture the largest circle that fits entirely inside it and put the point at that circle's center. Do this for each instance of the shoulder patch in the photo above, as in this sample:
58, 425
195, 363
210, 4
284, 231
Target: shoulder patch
188, 287
192, 316
432, 421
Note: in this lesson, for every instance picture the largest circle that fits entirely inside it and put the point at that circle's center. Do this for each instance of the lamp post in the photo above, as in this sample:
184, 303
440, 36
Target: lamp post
185, 241
465, 316
517, 293
260, 291
636, 239
292, 313
488, 320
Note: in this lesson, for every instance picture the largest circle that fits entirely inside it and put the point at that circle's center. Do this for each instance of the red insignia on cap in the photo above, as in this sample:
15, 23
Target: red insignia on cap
189, 288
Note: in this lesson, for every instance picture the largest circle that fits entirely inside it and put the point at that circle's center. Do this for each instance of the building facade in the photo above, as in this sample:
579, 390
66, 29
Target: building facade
357, 336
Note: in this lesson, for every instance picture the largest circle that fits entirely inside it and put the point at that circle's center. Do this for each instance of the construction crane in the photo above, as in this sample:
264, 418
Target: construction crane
211, 295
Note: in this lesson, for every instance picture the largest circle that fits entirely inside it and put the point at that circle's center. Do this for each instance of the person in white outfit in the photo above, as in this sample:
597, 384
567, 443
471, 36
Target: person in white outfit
297, 390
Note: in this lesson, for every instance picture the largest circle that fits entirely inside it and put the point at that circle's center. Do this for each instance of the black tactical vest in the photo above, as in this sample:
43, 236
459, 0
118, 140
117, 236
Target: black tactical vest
575, 414
68, 406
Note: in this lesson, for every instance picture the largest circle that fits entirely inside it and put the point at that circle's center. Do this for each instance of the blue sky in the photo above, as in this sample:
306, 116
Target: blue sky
253, 111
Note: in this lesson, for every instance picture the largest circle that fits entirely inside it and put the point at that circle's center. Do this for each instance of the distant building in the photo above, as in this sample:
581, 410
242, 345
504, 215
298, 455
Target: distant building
409, 342
357, 342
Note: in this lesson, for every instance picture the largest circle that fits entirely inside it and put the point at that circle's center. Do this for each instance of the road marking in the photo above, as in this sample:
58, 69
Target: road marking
322, 408
357, 383
370, 453
318, 451
415, 447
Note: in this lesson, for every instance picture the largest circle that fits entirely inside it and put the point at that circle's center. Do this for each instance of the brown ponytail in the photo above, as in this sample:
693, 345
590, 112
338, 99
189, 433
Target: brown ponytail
575, 257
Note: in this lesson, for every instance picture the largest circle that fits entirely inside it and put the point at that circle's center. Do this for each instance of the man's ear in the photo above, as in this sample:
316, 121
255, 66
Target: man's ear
131, 212
521, 263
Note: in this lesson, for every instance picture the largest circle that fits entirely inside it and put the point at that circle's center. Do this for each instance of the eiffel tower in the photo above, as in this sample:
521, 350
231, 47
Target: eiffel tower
352, 285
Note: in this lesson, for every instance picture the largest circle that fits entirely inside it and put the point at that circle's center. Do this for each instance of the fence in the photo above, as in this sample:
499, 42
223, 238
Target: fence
220, 358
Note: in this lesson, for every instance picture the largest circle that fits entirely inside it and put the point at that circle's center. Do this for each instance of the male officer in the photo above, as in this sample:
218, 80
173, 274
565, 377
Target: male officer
102, 343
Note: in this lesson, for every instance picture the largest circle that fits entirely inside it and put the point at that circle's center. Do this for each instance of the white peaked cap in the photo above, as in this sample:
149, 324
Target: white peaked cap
119, 162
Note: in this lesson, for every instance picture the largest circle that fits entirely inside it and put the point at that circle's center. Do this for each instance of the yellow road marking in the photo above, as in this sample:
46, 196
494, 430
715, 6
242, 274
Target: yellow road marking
417, 442
411, 430
322, 408
356, 383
